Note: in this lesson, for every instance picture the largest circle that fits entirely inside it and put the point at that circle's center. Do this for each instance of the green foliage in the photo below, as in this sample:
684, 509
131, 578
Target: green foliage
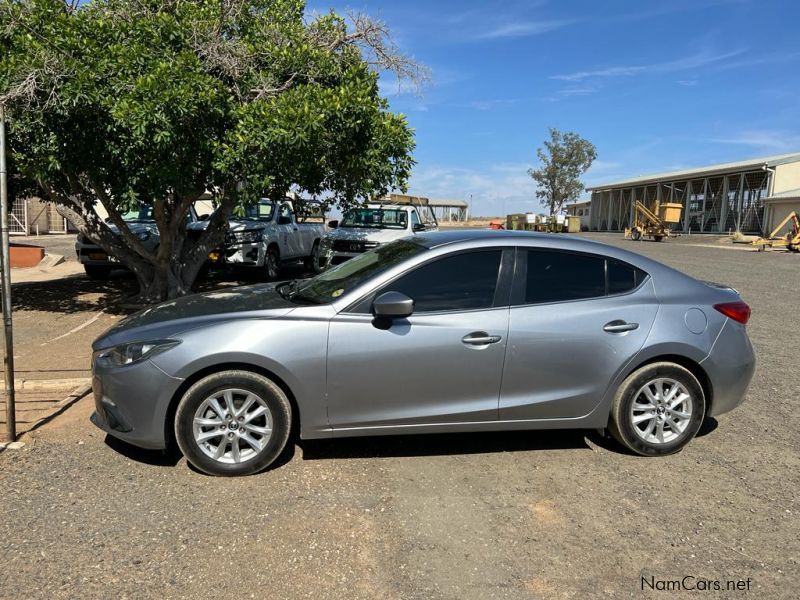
129, 101
565, 158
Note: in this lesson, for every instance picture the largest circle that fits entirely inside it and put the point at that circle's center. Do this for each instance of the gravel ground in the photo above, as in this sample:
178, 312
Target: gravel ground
524, 515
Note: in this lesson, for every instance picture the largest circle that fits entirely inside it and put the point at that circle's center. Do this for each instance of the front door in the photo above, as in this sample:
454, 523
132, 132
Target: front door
443, 364
571, 328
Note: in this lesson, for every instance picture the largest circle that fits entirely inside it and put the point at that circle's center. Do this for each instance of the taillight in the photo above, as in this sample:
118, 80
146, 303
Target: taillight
738, 311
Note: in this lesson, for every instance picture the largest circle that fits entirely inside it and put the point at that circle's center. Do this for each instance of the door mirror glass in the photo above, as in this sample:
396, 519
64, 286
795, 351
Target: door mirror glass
333, 224
284, 220
419, 227
393, 305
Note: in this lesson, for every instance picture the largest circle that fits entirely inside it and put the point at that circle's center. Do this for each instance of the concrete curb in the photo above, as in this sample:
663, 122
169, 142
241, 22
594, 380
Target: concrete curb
46, 385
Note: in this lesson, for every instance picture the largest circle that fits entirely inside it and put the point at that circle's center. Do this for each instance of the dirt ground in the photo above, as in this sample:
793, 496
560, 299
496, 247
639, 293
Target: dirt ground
523, 515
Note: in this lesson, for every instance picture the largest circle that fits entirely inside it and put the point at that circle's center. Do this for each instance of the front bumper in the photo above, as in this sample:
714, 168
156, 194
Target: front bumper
131, 402
730, 366
245, 254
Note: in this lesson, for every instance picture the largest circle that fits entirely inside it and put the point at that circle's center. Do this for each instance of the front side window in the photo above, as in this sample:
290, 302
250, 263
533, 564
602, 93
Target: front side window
465, 281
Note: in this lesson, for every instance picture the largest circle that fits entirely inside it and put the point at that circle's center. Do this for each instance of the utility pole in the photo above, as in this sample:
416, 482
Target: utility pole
8, 337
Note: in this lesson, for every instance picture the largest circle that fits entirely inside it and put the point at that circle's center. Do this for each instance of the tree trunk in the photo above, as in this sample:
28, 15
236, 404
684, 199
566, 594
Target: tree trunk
165, 283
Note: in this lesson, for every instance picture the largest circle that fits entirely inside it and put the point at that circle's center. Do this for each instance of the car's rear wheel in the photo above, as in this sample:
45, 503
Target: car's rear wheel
658, 409
636, 235
99, 272
233, 423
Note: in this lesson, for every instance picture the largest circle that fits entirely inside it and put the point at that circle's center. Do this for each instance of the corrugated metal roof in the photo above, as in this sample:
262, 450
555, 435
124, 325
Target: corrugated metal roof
710, 170
782, 195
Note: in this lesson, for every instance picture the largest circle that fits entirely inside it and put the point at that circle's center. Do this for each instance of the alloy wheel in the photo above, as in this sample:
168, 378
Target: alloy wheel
661, 411
232, 426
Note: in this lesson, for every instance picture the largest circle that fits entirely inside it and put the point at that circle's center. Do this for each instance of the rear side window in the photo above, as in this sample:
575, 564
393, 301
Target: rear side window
464, 281
561, 276
623, 277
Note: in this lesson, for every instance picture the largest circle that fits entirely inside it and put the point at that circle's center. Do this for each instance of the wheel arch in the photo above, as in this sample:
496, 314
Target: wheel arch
695, 368
169, 421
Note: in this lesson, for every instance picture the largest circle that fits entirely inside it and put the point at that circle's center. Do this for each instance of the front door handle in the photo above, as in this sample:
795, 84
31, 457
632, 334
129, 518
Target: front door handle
480, 338
619, 326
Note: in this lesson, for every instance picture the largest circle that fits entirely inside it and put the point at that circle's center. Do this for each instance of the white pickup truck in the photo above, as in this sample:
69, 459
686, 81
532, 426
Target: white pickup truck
368, 227
265, 235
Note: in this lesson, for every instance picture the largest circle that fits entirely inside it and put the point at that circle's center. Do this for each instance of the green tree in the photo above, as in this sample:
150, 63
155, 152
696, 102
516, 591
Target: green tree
122, 102
564, 159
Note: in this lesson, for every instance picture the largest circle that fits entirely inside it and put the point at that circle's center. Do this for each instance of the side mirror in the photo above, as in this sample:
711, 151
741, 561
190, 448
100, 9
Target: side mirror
284, 220
202, 217
392, 305
418, 227
333, 224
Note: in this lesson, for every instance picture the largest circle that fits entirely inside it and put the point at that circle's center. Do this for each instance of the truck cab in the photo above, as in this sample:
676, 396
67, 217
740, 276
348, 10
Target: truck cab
368, 227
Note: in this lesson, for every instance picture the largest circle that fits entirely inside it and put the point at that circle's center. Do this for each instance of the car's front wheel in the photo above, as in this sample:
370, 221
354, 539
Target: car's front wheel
233, 423
658, 409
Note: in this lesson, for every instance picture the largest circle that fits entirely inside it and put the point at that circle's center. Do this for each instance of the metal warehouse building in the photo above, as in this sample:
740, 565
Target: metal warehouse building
717, 198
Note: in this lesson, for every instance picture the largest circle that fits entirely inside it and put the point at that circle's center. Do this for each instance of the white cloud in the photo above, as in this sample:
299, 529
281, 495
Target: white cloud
496, 190
771, 140
517, 29
695, 61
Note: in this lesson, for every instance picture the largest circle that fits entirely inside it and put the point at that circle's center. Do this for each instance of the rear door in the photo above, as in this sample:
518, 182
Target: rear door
575, 320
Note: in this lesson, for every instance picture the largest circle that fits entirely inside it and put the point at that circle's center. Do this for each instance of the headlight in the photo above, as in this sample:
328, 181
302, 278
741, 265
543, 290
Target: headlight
143, 235
133, 352
245, 237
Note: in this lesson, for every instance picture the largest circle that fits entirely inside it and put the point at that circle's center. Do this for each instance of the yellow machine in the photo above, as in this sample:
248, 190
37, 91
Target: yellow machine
791, 240
654, 223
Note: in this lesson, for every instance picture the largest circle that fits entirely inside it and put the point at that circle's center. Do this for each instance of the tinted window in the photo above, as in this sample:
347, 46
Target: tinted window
559, 276
461, 282
623, 277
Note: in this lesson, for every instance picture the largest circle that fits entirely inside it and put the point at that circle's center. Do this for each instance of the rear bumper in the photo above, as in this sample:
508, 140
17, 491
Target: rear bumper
131, 403
730, 366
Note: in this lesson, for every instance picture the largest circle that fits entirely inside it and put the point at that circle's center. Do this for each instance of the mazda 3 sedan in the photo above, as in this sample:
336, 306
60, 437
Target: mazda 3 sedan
449, 331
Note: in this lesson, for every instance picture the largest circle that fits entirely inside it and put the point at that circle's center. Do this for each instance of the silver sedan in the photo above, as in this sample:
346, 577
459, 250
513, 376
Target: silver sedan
450, 331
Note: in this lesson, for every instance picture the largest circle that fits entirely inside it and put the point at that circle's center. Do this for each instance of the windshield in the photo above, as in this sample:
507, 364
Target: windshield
143, 213
261, 211
331, 284
377, 218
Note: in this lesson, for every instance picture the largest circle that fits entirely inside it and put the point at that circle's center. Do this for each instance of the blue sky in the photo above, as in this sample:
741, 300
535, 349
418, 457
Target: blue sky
654, 85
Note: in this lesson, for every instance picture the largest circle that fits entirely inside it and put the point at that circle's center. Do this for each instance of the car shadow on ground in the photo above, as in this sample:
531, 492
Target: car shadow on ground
442, 444
156, 458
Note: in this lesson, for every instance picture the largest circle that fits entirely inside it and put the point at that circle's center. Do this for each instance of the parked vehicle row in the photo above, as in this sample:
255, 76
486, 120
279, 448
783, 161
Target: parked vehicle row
261, 237
439, 332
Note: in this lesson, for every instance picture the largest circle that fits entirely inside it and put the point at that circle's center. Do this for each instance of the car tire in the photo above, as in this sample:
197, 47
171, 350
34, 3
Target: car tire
220, 439
658, 238
636, 235
97, 272
313, 262
649, 406
272, 263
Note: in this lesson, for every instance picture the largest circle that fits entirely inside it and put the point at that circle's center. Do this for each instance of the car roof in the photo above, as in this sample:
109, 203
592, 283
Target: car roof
434, 239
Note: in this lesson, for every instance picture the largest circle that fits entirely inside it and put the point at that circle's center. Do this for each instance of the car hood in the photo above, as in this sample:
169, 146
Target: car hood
172, 317
136, 227
367, 234
232, 225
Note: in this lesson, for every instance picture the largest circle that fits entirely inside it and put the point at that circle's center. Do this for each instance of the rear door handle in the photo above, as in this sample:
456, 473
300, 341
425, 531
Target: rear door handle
480, 338
619, 326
